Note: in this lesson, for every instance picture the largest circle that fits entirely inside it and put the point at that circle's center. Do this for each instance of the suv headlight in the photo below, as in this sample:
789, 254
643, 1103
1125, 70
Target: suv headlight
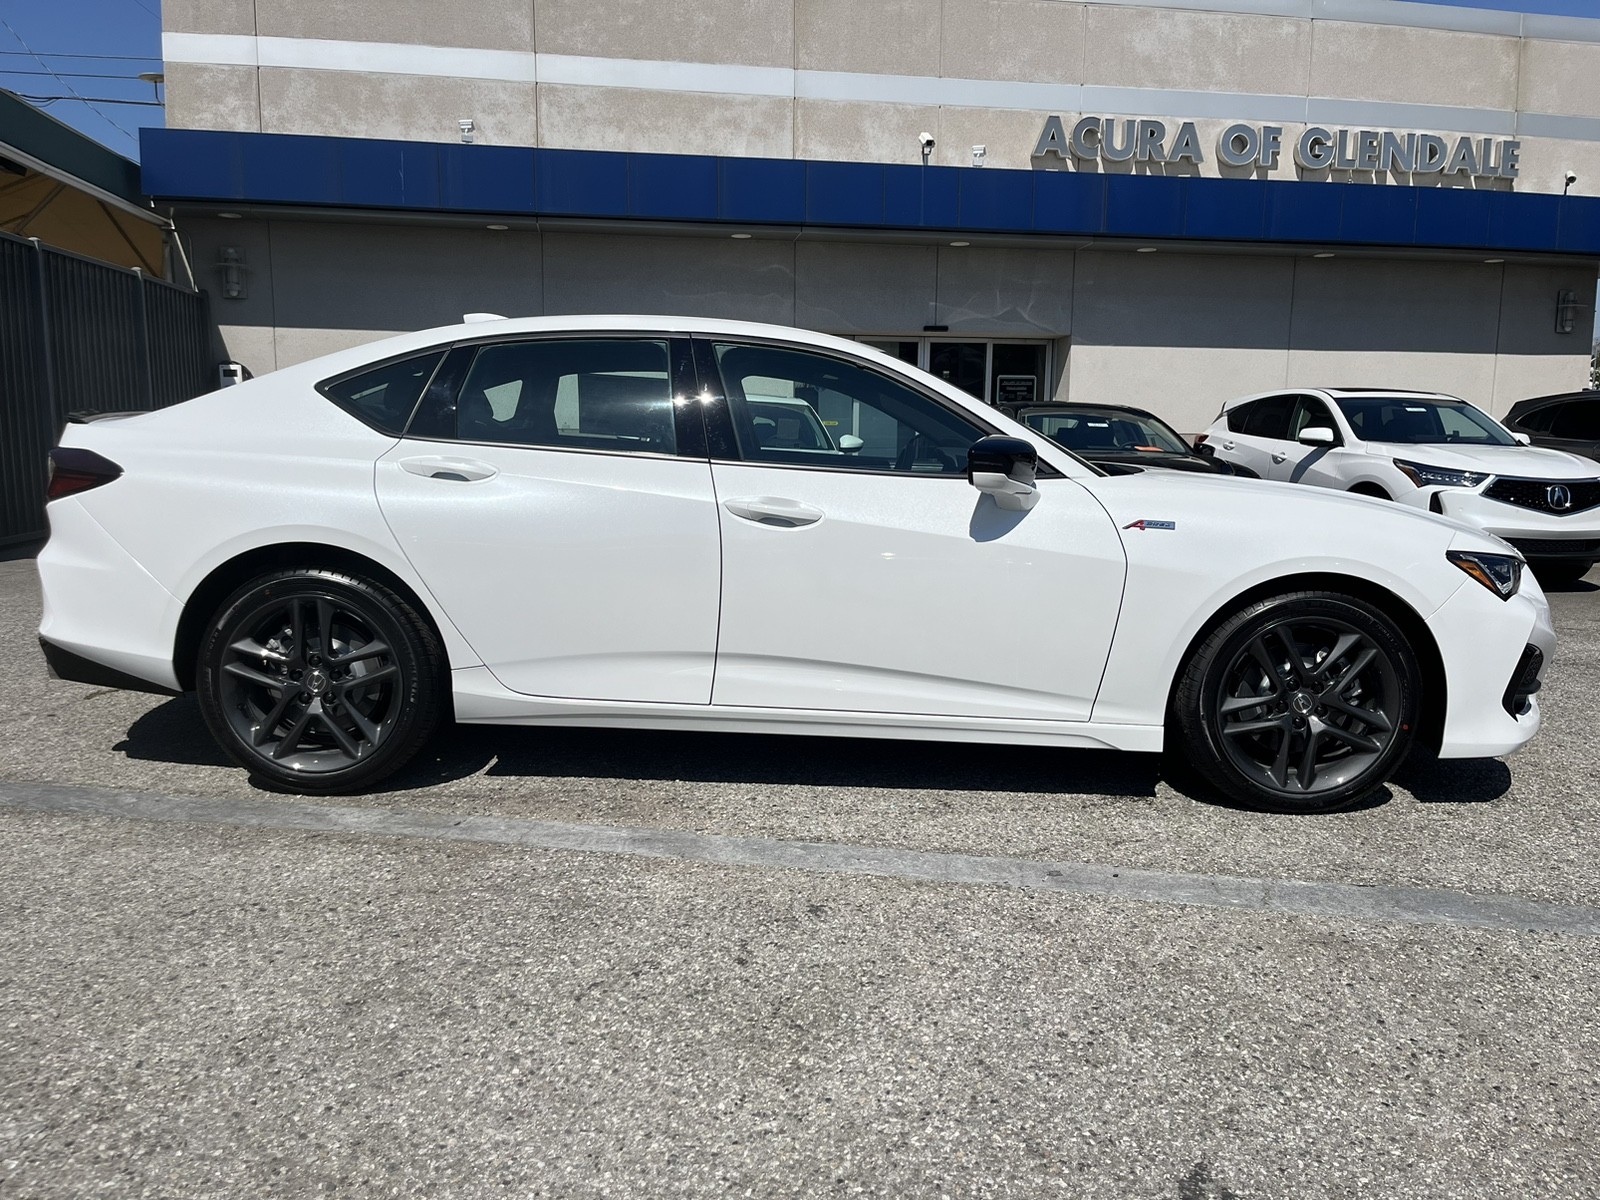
1500, 573
1423, 475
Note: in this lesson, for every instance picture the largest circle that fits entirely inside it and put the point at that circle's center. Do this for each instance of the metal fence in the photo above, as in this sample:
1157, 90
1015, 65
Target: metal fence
80, 335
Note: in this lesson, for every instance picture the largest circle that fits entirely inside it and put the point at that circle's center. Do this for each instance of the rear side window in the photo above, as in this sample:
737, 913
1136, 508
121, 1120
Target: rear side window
383, 397
1579, 420
591, 394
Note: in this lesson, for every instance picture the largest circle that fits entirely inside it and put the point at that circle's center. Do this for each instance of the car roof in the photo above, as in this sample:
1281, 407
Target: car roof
1340, 392
1555, 398
1070, 406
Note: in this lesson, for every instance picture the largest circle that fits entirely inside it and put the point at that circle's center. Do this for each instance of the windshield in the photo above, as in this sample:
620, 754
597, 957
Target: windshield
1105, 432
1413, 421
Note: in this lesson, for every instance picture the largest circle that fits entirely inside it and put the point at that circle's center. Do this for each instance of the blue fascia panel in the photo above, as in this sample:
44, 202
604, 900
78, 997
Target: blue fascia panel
260, 168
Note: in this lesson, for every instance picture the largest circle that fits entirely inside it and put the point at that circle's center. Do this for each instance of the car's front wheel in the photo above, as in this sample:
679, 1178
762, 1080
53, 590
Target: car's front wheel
1303, 702
319, 681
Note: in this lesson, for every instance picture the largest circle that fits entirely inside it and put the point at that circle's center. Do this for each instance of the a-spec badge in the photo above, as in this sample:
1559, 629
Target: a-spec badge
1152, 525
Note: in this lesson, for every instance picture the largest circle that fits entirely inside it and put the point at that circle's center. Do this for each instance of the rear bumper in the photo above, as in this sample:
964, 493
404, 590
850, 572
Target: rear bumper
101, 608
75, 668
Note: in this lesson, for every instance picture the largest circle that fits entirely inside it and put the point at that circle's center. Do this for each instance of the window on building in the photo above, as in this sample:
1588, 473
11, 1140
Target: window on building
997, 372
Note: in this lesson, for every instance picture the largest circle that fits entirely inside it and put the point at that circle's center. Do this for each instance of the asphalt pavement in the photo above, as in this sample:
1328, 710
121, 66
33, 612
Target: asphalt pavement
563, 963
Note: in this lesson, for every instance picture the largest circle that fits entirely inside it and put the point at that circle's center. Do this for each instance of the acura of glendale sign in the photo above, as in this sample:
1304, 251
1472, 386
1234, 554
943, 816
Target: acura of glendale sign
1141, 140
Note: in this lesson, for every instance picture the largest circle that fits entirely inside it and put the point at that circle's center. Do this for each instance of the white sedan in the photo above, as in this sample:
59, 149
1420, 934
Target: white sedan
1428, 450
583, 522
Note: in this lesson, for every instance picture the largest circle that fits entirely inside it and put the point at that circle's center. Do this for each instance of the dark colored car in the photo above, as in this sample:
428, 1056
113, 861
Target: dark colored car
1115, 436
1570, 422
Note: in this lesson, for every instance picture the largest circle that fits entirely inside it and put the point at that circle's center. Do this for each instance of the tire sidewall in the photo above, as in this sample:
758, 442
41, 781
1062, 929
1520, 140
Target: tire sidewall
1198, 719
390, 617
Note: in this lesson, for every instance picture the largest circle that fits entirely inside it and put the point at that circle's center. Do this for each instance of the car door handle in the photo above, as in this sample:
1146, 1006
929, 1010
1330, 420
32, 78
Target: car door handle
1278, 458
442, 466
1227, 445
773, 510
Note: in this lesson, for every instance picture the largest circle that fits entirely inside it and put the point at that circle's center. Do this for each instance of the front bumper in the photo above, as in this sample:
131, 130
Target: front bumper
1491, 704
1536, 534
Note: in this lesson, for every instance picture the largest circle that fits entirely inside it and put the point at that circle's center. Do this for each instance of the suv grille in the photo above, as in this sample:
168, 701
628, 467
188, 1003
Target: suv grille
1557, 547
1535, 494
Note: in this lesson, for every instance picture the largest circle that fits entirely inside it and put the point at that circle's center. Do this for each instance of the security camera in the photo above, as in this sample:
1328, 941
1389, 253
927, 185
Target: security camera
926, 139
1572, 177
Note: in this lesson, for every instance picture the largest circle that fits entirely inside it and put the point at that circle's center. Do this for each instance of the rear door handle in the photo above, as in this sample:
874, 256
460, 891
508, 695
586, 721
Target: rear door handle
444, 466
773, 510
1227, 445
1278, 458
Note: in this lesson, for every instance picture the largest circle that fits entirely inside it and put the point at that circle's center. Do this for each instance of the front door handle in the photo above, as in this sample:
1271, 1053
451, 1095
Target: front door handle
773, 510
1278, 458
444, 466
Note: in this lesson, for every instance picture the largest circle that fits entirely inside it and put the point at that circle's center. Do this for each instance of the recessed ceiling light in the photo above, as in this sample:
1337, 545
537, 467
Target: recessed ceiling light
497, 227
961, 243
1324, 254
1145, 250
1494, 260
229, 216
740, 237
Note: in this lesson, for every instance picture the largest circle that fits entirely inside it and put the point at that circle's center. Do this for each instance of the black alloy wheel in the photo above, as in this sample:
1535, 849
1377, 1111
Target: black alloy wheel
320, 682
1302, 702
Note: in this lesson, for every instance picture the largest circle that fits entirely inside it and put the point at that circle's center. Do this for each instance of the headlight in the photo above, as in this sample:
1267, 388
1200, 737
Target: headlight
1423, 475
1500, 573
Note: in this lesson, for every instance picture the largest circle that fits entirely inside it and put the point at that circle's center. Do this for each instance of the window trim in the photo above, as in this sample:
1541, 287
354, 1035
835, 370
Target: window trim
722, 441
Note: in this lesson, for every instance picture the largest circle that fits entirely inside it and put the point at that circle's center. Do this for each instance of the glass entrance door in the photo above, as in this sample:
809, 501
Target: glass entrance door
997, 372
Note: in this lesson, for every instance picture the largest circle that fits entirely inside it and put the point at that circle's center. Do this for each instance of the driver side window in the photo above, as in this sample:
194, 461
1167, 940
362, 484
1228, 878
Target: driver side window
800, 408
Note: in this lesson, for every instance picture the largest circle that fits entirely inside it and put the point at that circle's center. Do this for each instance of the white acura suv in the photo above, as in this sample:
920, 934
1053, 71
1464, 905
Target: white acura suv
1429, 451
624, 522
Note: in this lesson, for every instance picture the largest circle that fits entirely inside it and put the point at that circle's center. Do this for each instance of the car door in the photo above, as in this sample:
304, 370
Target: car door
558, 504
1256, 432
1575, 428
877, 579
1294, 462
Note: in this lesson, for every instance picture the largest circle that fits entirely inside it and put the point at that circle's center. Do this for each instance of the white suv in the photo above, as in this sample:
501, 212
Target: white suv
1424, 449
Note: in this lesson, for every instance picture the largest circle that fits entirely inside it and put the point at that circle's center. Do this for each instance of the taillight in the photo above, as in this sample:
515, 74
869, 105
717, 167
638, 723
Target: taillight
73, 470
1201, 438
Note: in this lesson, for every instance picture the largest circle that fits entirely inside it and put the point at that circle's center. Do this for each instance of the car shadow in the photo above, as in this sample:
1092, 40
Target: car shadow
174, 732
1454, 780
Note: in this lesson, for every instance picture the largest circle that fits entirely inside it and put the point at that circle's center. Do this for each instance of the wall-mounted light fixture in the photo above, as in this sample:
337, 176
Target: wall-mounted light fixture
1567, 310
980, 154
468, 128
230, 265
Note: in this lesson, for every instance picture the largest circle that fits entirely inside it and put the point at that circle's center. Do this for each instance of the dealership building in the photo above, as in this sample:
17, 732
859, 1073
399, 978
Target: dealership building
1165, 203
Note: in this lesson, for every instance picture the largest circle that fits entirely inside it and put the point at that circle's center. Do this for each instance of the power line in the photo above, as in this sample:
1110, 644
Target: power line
91, 101
70, 74
21, 41
64, 54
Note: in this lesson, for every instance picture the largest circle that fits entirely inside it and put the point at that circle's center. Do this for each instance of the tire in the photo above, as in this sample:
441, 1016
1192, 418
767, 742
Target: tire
1559, 572
1333, 722
305, 720
1370, 489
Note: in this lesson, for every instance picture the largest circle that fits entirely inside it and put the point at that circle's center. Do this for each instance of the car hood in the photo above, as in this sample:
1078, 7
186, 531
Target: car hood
1529, 462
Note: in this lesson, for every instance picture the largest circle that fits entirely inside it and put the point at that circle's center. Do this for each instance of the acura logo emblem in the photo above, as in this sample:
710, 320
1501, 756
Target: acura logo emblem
1559, 497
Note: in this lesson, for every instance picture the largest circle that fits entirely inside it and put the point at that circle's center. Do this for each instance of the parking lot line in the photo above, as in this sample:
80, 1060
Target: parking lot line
1380, 903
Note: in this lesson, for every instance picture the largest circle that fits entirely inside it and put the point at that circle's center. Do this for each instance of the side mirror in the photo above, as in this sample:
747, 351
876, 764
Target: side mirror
1005, 468
850, 443
1523, 438
1318, 435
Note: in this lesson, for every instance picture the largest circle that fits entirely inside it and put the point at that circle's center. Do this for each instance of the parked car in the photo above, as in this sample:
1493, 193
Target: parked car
1569, 422
574, 522
1429, 451
1115, 435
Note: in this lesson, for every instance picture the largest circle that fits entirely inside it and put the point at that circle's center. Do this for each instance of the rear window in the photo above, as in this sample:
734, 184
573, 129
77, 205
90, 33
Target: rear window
384, 396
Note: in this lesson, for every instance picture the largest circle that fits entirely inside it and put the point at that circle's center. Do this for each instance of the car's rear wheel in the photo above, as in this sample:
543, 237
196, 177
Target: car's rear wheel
318, 681
1303, 702
1559, 572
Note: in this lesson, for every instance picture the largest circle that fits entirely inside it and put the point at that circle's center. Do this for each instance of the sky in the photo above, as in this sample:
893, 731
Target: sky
93, 49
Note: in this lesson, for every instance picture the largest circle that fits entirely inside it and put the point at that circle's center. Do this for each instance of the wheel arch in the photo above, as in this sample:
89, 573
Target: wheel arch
1368, 488
209, 594
1430, 663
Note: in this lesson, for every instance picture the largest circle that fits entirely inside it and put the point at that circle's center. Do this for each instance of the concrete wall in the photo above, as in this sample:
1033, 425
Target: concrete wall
839, 79
1177, 333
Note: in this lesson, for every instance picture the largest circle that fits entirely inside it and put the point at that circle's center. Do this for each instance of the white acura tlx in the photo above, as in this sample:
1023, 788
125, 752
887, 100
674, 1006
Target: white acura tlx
669, 523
